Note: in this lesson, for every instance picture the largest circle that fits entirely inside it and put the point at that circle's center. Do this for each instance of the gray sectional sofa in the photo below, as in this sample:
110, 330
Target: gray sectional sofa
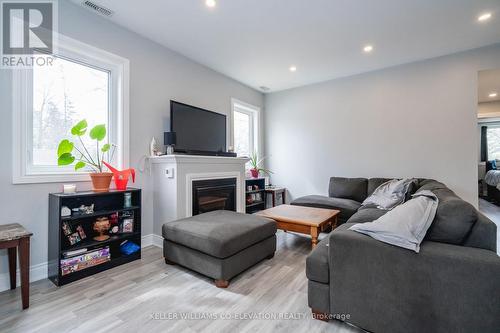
452, 285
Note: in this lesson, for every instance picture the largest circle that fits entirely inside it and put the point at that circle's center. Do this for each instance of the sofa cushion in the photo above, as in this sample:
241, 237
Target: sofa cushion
219, 233
317, 268
373, 183
454, 218
348, 188
366, 214
347, 207
430, 184
389, 194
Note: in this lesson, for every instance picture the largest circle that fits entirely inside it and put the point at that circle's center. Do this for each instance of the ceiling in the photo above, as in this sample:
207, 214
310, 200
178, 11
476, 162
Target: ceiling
489, 82
255, 42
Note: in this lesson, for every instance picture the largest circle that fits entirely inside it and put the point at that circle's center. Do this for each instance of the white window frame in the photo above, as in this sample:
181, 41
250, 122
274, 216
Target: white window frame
254, 113
22, 106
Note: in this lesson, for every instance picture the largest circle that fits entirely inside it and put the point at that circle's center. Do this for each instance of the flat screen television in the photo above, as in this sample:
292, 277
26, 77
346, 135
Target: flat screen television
198, 131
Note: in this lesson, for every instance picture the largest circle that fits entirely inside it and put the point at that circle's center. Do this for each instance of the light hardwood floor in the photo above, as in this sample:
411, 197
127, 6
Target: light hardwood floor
125, 298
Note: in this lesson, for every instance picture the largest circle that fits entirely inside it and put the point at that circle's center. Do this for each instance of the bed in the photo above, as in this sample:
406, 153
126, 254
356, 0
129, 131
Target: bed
492, 180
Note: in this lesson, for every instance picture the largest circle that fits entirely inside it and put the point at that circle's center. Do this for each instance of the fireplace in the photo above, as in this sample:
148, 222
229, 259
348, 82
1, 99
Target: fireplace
214, 194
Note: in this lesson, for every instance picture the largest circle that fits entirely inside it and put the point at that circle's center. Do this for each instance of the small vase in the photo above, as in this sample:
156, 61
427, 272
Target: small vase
255, 173
101, 181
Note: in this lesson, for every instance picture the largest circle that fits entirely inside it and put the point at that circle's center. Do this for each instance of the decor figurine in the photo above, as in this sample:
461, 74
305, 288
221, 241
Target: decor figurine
68, 152
101, 225
121, 177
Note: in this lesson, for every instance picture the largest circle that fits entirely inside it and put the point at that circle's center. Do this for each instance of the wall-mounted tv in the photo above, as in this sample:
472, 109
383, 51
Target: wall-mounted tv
198, 131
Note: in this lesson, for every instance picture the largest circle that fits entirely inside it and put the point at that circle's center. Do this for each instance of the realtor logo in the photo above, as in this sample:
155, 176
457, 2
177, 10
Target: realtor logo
27, 29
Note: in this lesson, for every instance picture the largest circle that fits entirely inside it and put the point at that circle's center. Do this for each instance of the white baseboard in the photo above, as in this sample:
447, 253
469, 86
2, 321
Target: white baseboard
39, 271
152, 240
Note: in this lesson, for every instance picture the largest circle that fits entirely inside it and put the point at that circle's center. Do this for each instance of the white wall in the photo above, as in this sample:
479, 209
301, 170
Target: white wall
156, 76
415, 120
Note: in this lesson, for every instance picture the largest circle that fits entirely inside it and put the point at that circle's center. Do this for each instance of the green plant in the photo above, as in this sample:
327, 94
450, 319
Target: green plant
66, 148
255, 162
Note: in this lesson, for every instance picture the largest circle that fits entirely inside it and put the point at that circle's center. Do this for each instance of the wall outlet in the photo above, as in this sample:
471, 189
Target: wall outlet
169, 172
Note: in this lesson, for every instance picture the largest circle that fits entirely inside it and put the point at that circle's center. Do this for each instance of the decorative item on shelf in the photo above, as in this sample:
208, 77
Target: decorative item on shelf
86, 210
65, 211
69, 188
66, 228
66, 155
74, 238
101, 225
127, 200
249, 188
255, 168
169, 140
75, 212
113, 222
81, 232
121, 177
128, 225
127, 248
249, 199
258, 197
154, 149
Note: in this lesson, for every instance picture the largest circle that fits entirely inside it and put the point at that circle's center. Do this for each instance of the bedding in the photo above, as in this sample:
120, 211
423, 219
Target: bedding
492, 178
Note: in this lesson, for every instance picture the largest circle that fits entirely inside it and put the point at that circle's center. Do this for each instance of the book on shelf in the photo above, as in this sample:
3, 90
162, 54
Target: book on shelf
85, 260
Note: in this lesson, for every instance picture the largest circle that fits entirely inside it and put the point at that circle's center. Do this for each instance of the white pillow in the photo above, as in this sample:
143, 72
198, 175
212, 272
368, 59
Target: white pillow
389, 194
406, 225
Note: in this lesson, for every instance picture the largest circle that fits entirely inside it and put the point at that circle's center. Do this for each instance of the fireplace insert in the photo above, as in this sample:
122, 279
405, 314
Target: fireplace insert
214, 194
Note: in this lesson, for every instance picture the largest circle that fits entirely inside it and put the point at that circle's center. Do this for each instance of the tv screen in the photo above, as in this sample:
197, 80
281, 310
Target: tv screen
197, 130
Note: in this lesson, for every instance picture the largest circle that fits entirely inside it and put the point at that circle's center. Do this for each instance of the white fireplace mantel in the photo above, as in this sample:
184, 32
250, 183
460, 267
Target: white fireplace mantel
173, 175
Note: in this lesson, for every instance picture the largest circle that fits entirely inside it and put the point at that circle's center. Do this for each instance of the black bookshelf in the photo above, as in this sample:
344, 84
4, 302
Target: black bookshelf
105, 205
255, 205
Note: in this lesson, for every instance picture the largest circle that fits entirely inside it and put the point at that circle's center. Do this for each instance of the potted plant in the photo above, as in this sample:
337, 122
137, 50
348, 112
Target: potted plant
255, 169
67, 153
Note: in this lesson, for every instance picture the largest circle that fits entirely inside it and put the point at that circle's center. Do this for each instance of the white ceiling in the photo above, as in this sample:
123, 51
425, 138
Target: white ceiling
256, 41
489, 81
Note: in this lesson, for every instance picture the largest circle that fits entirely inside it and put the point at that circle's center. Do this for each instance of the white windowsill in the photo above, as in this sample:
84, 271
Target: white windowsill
50, 178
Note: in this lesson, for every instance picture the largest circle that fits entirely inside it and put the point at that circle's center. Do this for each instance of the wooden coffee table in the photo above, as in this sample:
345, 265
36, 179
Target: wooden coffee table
305, 220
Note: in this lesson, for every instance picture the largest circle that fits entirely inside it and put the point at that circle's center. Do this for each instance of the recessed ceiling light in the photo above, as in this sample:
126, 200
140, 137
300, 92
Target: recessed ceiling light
484, 17
493, 94
368, 48
293, 68
210, 3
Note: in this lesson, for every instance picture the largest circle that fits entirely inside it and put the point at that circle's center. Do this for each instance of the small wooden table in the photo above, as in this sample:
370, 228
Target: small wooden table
274, 191
305, 220
13, 236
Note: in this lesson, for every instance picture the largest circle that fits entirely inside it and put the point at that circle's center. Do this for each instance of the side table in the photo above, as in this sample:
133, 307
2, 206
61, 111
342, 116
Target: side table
274, 191
13, 236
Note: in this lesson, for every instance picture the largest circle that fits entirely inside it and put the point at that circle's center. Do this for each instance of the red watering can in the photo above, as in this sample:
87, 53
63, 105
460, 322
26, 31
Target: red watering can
121, 177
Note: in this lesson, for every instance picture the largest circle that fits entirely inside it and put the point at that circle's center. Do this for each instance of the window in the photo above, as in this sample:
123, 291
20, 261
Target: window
493, 139
82, 83
245, 128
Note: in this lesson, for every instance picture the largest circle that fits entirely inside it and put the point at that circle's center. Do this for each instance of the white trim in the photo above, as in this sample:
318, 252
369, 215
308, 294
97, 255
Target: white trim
37, 272
190, 177
40, 271
152, 240
74, 50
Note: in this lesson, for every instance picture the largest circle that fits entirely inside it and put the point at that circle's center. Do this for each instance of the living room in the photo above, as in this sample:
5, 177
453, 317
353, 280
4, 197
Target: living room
339, 107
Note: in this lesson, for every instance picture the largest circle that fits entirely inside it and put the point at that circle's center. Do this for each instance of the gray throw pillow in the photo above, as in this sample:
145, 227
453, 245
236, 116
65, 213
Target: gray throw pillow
404, 226
389, 194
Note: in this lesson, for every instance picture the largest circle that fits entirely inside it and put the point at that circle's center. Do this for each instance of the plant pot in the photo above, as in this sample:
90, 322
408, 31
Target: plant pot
101, 181
255, 173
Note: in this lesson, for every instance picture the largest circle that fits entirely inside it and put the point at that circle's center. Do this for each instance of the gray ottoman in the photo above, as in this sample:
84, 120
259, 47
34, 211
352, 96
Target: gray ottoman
219, 244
